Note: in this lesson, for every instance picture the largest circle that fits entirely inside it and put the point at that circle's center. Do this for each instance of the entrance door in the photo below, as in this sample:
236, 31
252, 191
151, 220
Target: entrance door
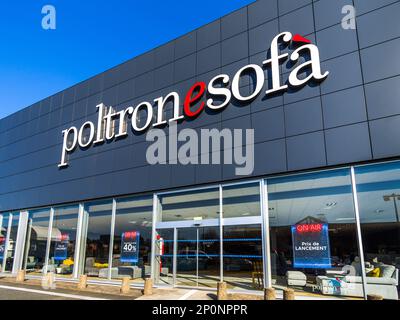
197, 256
164, 256
188, 256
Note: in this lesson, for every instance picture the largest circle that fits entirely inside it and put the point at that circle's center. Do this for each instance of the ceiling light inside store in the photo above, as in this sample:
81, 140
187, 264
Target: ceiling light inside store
345, 219
330, 205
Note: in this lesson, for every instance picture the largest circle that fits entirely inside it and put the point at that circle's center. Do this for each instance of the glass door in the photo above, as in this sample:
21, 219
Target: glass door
187, 257
164, 256
198, 256
208, 256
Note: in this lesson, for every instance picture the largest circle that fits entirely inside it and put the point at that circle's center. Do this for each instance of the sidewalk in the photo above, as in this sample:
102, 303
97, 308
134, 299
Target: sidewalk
179, 294
112, 292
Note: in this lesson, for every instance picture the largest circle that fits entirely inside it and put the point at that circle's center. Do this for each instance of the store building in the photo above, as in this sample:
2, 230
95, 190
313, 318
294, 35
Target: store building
318, 212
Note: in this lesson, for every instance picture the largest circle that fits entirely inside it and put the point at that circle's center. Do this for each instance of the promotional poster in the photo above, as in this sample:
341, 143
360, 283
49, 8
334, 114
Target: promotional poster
61, 247
311, 246
2, 247
130, 246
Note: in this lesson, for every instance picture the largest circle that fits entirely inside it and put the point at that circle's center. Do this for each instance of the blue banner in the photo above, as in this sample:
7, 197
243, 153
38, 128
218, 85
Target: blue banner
2, 247
130, 246
61, 247
311, 246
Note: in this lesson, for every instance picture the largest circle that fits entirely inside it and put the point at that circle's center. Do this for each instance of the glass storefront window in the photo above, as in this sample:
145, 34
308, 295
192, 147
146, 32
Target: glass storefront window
63, 240
378, 191
242, 200
132, 239
12, 239
4, 220
313, 236
243, 264
36, 241
199, 204
96, 238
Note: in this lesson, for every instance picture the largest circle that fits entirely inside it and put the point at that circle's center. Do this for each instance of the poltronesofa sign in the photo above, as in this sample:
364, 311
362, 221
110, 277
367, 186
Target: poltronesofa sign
219, 92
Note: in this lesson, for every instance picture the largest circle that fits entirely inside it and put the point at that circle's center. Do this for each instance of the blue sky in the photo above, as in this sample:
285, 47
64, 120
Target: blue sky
90, 37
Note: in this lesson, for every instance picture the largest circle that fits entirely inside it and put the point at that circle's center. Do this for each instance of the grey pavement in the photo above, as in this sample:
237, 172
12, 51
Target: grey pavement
11, 291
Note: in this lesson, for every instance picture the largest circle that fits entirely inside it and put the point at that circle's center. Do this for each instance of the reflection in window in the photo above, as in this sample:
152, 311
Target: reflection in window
313, 233
96, 240
378, 191
241, 200
63, 239
36, 241
132, 239
199, 204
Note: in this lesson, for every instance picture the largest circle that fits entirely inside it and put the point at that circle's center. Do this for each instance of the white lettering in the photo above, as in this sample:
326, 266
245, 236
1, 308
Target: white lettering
219, 92
65, 148
259, 82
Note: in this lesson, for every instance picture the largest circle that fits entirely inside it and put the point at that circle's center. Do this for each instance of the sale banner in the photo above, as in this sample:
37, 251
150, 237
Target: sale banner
2, 247
311, 246
61, 247
130, 246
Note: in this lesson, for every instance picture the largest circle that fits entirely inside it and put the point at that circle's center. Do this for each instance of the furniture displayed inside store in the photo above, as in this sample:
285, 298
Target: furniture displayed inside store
296, 278
384, 285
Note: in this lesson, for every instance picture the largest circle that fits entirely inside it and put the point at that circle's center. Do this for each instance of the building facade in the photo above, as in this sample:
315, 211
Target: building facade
318, 212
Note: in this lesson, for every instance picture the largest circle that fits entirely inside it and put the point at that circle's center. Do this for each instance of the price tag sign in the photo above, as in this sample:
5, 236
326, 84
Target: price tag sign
130, 246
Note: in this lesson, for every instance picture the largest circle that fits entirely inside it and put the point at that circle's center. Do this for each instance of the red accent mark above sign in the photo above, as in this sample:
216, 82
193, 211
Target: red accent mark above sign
299, 38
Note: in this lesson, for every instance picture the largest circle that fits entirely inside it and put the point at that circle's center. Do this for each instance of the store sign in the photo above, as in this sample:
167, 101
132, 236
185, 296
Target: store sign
130, 246
218, 92
311, 246
61, 247
2, 247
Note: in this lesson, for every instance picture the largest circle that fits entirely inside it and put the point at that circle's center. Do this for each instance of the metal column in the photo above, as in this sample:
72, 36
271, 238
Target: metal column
110, 253
358, 225
221, 236
265, 235
49, 233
